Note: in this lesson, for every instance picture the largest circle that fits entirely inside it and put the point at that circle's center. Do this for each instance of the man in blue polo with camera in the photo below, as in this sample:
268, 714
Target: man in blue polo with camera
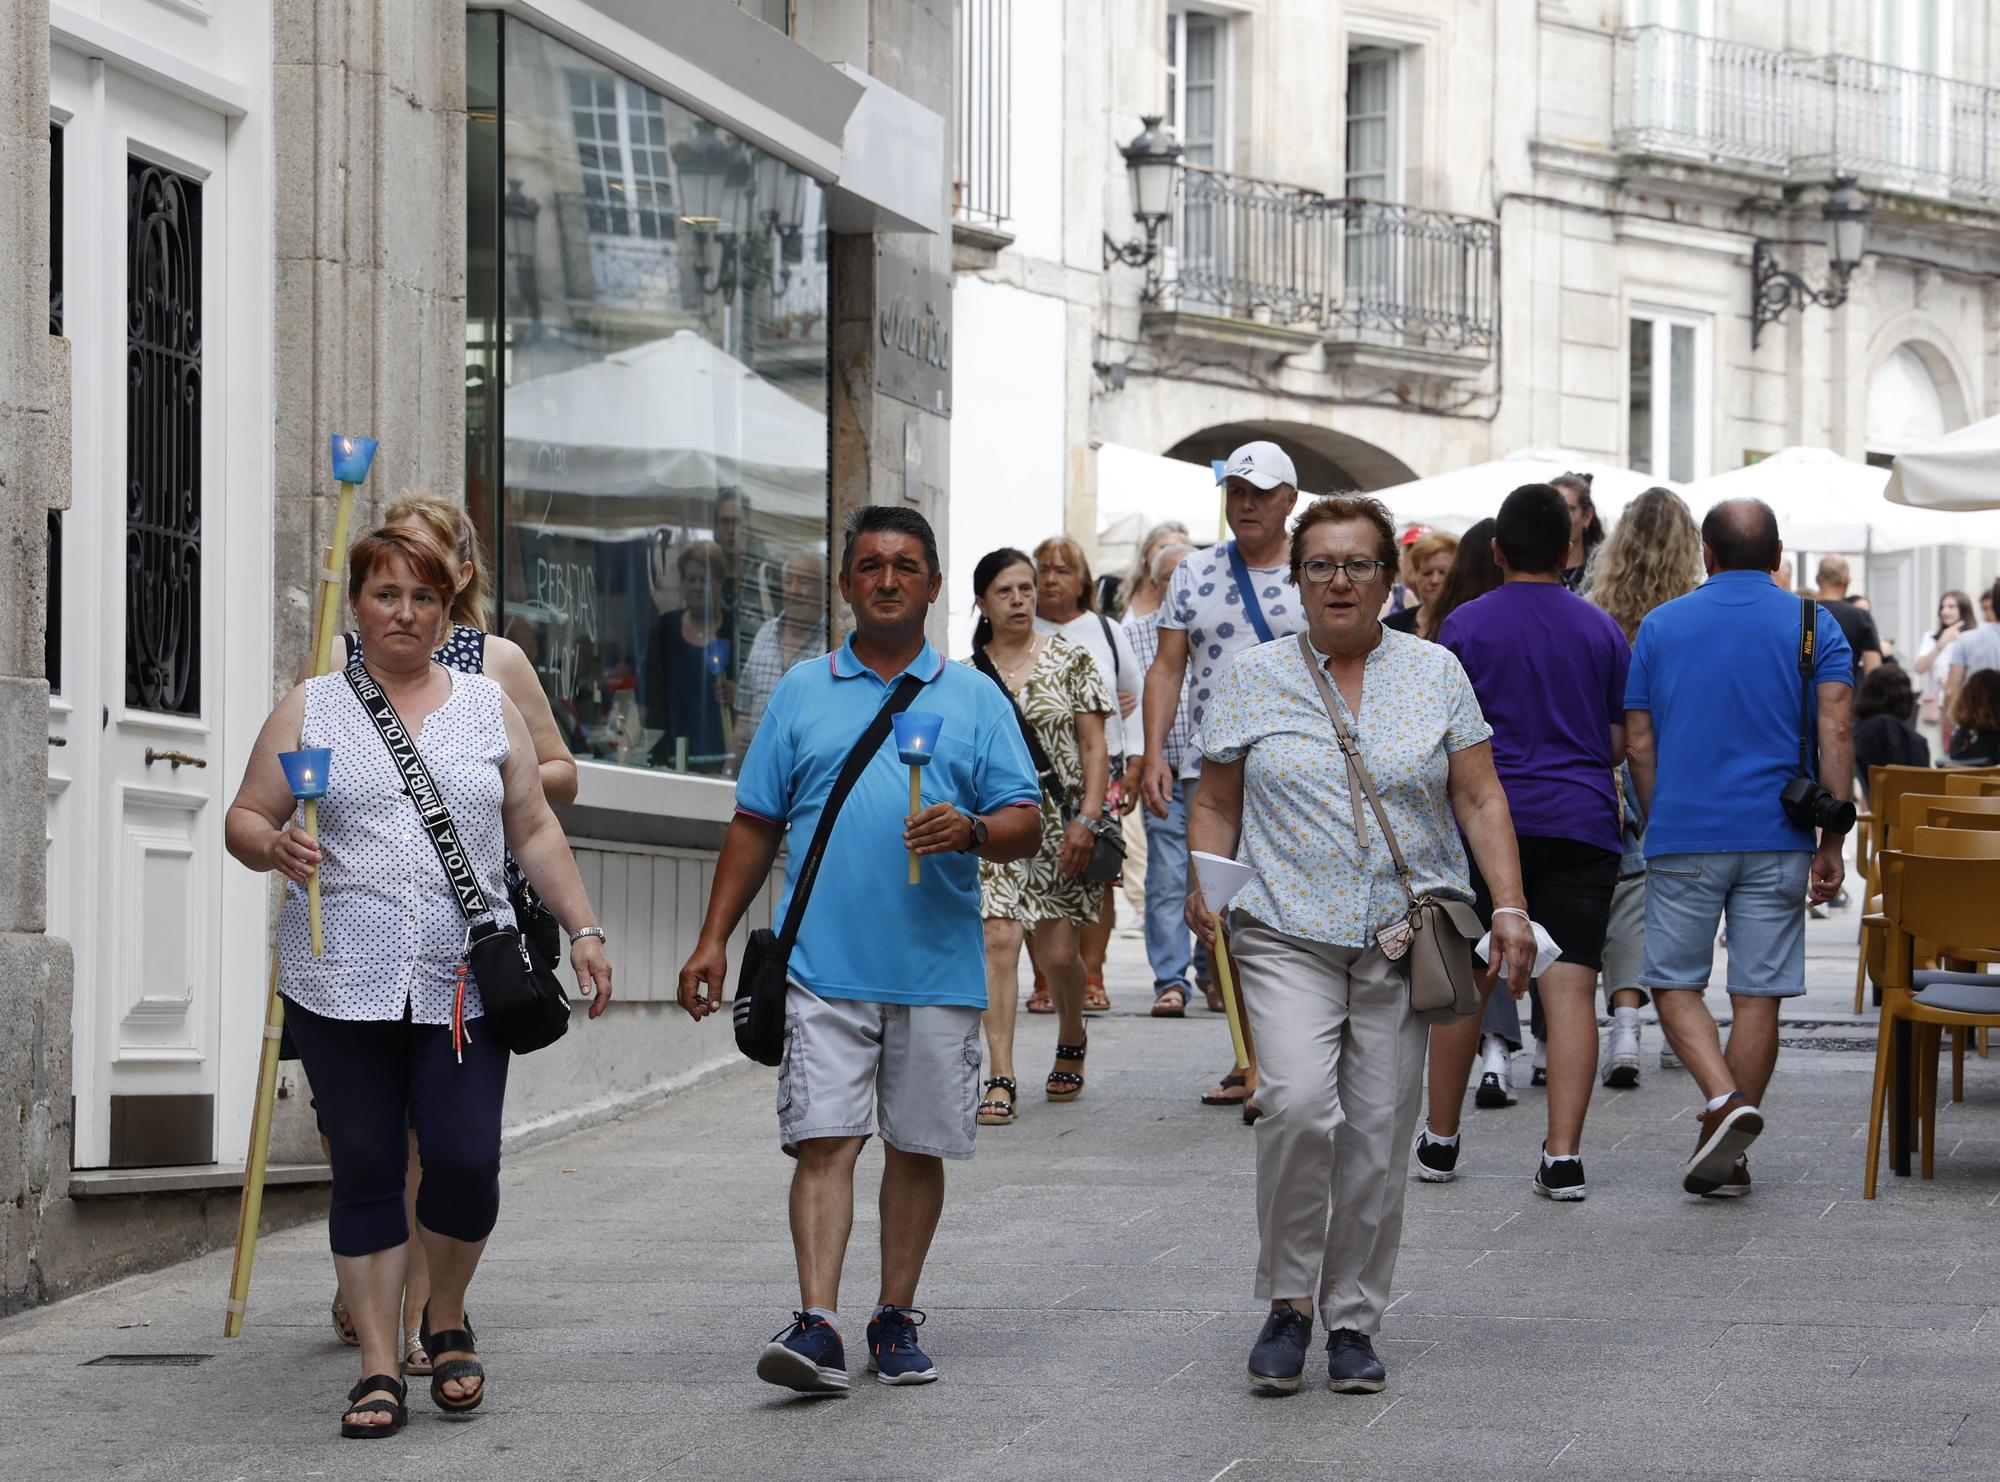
887, 979
1737, 723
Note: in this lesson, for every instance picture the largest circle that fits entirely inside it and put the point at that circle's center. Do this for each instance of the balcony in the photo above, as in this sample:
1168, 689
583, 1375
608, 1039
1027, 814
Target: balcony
982, 161
1709, 101
1914, 130
1682, 94
1278, 269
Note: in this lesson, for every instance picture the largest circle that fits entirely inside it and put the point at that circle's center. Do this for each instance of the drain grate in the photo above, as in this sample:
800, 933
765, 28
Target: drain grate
148, 1360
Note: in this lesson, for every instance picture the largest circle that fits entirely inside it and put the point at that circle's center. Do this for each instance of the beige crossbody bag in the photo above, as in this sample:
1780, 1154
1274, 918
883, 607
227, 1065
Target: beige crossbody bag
1435, 939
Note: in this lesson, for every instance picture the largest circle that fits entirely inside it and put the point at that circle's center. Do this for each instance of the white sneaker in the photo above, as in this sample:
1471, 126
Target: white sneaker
1621, 1059
1496, 1075
1668, 1059
1539, 1076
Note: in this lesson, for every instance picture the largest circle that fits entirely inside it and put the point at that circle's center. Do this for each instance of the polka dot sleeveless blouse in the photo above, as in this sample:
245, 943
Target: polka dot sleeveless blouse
391, 926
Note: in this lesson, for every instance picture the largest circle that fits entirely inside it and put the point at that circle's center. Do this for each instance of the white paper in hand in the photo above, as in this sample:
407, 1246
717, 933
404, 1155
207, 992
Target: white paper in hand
1546, 950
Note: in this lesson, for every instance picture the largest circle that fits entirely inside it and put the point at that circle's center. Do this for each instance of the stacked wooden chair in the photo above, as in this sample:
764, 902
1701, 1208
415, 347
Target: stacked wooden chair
1929, 936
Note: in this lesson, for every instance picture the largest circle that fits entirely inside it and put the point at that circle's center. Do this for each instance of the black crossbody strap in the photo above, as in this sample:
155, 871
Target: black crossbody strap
907, 689
422, 791
1808, 652
1044, 768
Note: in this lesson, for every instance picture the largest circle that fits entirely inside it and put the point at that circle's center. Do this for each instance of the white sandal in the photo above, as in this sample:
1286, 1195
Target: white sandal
412, 1347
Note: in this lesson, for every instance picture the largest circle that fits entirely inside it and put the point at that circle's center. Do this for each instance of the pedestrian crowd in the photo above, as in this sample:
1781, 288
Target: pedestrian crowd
1541, 759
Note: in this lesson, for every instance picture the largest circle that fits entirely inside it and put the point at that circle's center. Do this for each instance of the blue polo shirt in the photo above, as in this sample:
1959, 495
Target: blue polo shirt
868, 933
1719, 670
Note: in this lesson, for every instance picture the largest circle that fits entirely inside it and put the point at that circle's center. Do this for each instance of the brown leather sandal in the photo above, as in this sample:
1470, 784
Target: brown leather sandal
1219, 1094
1171, 1004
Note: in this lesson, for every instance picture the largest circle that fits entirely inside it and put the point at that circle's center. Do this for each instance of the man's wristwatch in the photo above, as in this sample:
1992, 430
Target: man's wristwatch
978, 832
588, 931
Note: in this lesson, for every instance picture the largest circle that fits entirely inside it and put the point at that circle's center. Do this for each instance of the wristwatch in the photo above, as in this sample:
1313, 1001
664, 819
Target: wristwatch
978, 832
588, 931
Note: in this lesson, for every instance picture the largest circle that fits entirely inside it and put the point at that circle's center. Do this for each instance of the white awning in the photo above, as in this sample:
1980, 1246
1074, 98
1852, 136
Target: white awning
1463, 497
1825, 502
1136, 491
1959, 471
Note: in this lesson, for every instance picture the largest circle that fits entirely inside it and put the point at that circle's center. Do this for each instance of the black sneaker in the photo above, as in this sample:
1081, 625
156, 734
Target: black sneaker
1437, 1162
1559, 1178
1280, 1355
1351, 1365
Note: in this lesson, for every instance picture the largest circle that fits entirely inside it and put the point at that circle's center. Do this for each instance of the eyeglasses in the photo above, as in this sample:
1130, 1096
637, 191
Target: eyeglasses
1360, 572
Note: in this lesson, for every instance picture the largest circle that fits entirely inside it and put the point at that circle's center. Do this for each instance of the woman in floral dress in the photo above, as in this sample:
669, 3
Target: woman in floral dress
1062, 699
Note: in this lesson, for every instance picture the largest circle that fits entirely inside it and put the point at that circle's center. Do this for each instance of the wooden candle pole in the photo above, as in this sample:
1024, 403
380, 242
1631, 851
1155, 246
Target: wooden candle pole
916, 807
1225, 977
257, 1159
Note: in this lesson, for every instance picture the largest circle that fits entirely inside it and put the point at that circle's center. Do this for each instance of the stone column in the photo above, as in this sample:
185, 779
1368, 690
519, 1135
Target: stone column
369, 131
35, 972
886, 451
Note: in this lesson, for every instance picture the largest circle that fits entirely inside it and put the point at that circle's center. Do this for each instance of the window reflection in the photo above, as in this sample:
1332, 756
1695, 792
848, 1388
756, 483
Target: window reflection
663, 458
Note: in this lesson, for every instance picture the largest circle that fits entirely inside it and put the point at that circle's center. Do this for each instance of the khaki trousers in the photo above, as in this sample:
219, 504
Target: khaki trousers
1340, 1070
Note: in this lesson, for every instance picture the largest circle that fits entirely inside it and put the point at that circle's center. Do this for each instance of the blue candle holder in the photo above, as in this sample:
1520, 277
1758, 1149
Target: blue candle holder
716, 655
305, 771
351, 456
916, 736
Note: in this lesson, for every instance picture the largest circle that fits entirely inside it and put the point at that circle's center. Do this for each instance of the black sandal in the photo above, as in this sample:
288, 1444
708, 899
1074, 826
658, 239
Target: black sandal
994, 1112
1220, 1096
452, 1340
1066, 1085
357, 1430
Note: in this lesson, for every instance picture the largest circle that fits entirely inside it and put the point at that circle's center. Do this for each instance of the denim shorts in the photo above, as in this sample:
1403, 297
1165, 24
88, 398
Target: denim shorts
849, 1063
1763, 897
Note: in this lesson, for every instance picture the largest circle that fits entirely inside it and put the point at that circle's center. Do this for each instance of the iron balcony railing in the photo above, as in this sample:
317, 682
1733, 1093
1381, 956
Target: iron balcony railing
1677, 92
1914, 129
982, 167
1265, 252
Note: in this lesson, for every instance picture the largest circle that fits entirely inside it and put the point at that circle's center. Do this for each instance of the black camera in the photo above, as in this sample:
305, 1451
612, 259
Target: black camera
1811, 806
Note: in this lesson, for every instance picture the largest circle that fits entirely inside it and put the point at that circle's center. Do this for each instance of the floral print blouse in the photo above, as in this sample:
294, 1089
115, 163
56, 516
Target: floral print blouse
1314, 878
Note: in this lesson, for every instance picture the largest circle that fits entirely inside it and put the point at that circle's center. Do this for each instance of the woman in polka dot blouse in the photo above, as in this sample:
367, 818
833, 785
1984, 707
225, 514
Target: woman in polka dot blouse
373, 1015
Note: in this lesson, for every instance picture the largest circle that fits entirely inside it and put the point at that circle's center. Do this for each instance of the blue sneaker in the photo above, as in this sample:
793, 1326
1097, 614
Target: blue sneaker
893, 1355
807, 1357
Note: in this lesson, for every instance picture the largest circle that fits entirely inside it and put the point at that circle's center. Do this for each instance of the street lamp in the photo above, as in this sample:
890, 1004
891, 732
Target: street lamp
1773, 290
715, 184
1152, 163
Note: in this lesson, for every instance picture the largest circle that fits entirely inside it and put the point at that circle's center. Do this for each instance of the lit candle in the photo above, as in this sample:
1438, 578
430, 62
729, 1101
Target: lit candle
306, 775
916, 738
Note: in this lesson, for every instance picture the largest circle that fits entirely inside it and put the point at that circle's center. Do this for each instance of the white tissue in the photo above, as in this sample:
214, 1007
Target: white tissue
1546, 950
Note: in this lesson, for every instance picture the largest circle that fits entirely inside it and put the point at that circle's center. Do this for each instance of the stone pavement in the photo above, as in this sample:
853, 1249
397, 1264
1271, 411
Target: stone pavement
1089, 1306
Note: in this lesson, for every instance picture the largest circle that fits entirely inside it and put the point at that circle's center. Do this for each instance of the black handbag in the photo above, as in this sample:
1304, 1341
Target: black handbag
764, 980
525, 1003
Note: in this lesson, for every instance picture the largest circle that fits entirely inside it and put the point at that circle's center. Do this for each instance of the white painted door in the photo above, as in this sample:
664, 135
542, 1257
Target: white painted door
138, 785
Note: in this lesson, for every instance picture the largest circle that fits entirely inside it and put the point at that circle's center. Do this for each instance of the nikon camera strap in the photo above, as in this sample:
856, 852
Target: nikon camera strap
1808, 653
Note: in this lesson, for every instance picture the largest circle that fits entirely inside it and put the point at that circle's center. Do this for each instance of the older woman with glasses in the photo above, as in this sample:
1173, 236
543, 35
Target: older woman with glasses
1340, 1053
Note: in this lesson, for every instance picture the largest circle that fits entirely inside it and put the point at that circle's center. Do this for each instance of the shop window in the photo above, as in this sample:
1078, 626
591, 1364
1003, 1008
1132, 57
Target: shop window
646, 412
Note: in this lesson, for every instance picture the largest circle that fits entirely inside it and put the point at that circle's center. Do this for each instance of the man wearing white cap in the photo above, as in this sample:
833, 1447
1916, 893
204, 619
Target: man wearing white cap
1222, 601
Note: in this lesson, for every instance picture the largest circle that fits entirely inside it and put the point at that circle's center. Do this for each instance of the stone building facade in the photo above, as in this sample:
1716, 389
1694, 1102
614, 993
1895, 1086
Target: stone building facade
1416, 237
235, 227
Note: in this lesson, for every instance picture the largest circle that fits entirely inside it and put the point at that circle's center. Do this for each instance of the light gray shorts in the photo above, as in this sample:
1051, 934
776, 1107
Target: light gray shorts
1625, 940
848, 1062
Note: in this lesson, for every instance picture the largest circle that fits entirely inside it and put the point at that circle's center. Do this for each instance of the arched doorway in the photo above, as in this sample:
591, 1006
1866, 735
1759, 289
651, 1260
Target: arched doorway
1329, 462
1912, 397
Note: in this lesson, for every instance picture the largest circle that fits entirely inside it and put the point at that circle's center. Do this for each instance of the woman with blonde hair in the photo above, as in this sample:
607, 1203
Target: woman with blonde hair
1650, 558
1140, 592
1064, 605
1426, 564
469, 649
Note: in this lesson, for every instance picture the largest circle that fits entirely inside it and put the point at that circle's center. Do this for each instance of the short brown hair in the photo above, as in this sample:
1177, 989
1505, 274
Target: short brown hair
1073, 553
416, 548
1977, 707
1337, 509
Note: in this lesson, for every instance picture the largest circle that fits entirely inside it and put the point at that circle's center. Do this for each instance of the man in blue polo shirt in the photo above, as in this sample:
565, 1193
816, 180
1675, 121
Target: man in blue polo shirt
888, 979
1713, 728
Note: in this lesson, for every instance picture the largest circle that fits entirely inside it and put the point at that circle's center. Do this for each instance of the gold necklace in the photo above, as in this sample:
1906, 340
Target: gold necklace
1015, 675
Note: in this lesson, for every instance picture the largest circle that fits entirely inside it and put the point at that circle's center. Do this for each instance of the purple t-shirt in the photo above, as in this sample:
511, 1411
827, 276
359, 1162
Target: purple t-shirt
1549, 670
